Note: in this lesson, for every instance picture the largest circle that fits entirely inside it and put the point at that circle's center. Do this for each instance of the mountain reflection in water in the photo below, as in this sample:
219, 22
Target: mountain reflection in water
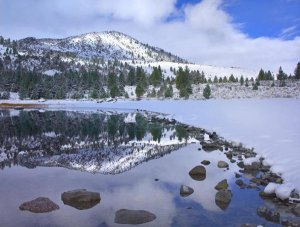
107, 143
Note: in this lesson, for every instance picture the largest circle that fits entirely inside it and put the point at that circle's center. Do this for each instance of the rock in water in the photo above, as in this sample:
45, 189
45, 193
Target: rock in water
223, 199
222, 185
210, 147
186, 191
205, 162
133, 217
81, 199
39, 205
198, 173
222, 164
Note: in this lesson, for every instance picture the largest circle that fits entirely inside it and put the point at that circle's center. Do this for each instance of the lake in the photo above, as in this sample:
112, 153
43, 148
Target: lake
136, 160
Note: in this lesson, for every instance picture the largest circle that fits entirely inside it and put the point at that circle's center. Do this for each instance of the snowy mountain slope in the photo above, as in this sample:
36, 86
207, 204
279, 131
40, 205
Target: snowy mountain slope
209, 71
104, 45
100, 50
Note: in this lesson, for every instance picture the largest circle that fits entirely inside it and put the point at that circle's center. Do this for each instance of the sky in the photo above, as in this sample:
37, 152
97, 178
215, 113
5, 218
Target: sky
251, 34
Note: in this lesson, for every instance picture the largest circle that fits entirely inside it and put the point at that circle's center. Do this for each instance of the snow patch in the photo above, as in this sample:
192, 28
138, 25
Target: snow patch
51, 72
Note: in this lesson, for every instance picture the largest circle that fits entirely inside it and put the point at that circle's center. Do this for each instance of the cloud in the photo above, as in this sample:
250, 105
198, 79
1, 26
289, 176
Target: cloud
289, 31
203, 32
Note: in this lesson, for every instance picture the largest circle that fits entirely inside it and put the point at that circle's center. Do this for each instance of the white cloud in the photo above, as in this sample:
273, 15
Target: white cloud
202, 33
146, 12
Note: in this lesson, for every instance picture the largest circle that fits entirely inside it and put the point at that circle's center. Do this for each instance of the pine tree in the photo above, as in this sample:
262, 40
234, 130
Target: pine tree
281, 75
231, 79
207, 92
131, 79
247, 82
112, 85
169, 92
261, 75
297, 71
216, 80
183, 82
242, 80
156, 77
139, 90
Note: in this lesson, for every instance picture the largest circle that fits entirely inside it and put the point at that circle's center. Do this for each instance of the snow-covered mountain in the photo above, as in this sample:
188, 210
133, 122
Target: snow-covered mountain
50, 56
106, 45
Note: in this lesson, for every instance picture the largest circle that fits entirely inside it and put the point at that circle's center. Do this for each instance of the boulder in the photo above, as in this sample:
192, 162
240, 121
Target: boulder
222, 164
198, 173
253, 167
205, 162
223, 198
210, 146
239, 182
222, 185
81, 199
39, 205
186, 191
133, 217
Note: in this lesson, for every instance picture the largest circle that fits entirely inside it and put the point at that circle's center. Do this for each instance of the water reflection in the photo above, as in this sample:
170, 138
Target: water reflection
112, 143
86, 141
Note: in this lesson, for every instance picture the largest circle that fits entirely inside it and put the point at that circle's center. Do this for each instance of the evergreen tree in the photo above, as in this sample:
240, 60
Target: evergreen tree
216, 80
268, 76
254, 86
169, 92
281, 75
225, 79
113, 85
131, 80
156, 77
183, 82
94, 94
207, 92
139, 90
242, 80
231, 79
261, 75
247, 82
297, 71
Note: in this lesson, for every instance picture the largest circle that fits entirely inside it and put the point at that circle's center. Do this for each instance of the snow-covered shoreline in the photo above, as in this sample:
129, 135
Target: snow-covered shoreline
271, 126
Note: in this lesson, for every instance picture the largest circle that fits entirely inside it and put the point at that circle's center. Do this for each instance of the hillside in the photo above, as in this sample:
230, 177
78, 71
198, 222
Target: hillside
98, 51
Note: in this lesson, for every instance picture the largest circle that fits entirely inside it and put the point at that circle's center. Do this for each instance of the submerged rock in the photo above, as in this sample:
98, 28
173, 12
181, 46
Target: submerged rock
223, 198
186, 191
205, 162
81, 199
198, 173
39, 205
239, 182
222, 185
223, 164
210, 146
133, 217
269, 215
296, 210
253, 167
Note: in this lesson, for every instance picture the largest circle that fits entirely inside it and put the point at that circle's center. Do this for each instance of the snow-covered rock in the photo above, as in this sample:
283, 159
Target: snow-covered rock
283, 191
270, 188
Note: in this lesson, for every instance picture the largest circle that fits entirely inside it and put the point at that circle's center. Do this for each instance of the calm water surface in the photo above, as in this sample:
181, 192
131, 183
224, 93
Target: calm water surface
118, 155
